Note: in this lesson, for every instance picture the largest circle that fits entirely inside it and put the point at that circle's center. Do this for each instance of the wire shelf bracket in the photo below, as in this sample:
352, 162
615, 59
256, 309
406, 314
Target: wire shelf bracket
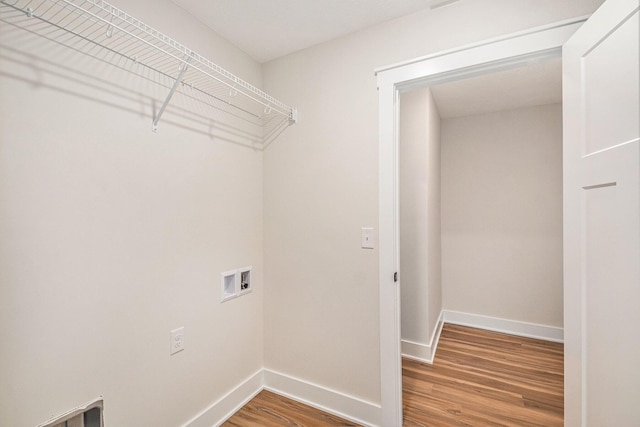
85, 24
183, 69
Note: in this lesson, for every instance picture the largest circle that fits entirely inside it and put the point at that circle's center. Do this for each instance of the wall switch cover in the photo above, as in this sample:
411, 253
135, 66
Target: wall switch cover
367, 238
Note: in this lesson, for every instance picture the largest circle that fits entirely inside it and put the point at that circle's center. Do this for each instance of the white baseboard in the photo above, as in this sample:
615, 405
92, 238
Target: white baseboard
513, 327
423, 352
344, 405
228, 404
325, 399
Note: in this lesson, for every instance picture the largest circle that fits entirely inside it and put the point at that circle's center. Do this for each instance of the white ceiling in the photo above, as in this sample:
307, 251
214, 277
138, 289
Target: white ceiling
535, 84
268, 29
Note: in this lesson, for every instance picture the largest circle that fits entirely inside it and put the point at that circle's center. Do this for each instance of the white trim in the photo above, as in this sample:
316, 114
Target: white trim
512, 327
327, 400
332, 401
541, 29
417, 351
350, 407
389, 291
485, 56
227, 405
522, 47
424, 353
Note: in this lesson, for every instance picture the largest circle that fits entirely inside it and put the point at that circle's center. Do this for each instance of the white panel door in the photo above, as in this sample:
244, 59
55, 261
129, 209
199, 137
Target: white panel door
602, 219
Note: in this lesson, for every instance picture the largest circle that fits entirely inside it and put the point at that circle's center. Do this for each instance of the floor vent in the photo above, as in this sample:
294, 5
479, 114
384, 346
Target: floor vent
89, 415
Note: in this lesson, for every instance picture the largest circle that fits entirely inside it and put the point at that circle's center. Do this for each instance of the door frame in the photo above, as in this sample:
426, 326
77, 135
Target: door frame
498, 54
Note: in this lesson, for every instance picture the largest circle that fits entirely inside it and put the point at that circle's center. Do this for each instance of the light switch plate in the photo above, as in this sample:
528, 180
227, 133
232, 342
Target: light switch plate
367, 238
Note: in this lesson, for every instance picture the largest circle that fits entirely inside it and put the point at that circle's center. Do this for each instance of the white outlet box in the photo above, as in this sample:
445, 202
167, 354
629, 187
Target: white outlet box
229, 286
177, 340
236, 283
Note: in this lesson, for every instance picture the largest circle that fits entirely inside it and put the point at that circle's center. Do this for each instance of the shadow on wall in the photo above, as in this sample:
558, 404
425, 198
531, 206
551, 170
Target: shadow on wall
88, 71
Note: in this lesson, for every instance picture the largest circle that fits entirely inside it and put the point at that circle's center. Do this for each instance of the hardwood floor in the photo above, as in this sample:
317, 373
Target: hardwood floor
269, 409
482, 378
479, 378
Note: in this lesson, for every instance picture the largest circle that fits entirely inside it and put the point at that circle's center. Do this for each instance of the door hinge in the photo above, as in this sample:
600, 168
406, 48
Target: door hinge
395, 277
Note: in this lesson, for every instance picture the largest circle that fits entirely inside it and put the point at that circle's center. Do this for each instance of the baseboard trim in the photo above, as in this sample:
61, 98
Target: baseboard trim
323, 398
423, 352
334, 402
227, 405
513, 327
344, 405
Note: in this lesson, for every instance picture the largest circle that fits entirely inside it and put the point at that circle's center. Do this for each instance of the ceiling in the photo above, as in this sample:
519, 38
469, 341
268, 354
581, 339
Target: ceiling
269, 29
535, 84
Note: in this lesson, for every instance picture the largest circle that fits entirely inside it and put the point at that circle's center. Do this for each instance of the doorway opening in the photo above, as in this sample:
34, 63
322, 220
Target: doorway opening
480, 203
480, 206
496, 55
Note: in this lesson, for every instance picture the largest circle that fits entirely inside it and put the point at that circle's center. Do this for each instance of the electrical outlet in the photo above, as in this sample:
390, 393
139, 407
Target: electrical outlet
177, 340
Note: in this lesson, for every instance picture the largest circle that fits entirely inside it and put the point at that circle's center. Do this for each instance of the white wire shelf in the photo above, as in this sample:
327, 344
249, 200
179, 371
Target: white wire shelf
98, 29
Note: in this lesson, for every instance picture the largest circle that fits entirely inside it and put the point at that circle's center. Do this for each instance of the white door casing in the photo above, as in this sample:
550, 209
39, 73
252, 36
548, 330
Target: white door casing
602, 218
493, 55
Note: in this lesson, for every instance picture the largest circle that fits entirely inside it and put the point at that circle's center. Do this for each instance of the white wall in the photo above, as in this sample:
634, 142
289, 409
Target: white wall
111, 236
434, 219
502, 214
320, 186
419, 182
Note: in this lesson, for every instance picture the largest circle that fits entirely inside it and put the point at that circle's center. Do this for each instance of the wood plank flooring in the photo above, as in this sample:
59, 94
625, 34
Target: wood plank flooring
479, 378
482, 378
269, 409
